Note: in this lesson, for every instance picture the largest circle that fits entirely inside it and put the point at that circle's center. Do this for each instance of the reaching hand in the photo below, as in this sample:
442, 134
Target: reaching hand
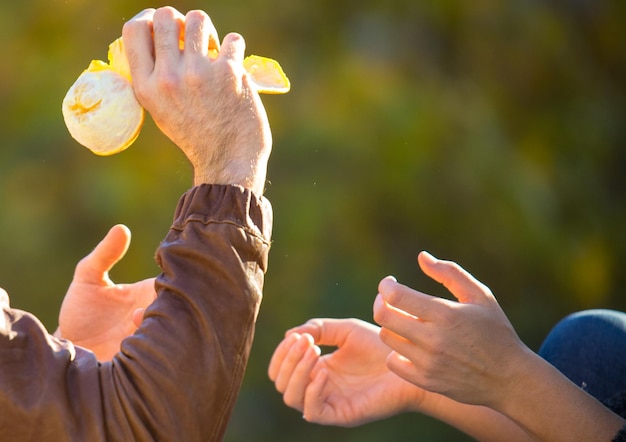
206, 106
465, 350
96, 313
350, 386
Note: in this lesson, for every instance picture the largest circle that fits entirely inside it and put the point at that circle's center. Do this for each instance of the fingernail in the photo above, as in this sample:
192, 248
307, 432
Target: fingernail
378, 302
294, 336
302, 342
428, 256
386, 280
308, 337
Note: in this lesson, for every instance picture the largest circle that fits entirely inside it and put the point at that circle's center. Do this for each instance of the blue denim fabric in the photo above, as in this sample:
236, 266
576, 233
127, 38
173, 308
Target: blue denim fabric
589, 347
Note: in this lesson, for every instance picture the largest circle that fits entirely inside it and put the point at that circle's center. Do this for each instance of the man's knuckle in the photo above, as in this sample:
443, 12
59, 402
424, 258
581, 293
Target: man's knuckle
194, 77
167, 82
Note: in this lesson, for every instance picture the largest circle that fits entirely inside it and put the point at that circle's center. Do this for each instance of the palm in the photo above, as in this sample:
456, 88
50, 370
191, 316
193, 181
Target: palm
360, 388
96, 313
99, 317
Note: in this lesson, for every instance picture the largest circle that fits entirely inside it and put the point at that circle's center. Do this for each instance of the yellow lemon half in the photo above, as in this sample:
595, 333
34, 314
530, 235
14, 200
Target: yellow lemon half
100, 109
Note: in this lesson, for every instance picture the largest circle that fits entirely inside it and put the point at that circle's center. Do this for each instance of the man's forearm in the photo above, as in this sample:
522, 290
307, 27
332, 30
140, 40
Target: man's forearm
186, 361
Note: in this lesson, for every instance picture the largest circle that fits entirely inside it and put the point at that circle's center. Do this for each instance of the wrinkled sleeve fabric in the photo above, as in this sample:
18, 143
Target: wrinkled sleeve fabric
178, 376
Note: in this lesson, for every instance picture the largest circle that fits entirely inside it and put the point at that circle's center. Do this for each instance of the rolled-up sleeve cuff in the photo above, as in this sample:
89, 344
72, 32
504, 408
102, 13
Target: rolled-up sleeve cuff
220, 203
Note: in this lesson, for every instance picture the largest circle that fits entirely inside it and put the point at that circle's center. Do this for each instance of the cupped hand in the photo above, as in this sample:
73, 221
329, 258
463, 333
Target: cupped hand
347, 387
96, 313
205, 105
465, 350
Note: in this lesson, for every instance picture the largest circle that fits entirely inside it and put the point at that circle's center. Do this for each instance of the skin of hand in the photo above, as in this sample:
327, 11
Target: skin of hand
347, 387
206, 106
353, 385
465, 350
469, 352
96, 313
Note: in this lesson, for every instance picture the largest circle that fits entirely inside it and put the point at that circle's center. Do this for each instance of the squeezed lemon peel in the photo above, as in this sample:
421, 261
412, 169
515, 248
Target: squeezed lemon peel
266, 74
102, 113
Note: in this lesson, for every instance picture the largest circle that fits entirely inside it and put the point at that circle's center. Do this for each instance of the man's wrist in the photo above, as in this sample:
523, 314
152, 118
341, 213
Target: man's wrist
250, 176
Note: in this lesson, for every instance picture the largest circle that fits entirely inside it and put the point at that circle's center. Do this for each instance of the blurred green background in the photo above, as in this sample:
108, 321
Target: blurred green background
487, 132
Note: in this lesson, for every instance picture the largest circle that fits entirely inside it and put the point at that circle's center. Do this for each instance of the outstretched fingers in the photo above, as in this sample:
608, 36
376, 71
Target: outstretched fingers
326, 331
316, 407
405, 311
405, 368
291, 367
286, 358
300, 379
280, 353
94, 268
456, 279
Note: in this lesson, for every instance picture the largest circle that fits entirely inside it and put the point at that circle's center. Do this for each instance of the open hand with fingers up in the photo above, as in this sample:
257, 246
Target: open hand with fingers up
97, 313
466, 350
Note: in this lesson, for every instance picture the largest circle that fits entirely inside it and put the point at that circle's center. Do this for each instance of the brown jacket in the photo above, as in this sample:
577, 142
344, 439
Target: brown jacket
177, 378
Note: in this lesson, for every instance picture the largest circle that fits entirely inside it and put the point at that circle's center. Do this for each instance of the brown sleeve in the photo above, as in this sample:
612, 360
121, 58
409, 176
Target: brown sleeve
178, 376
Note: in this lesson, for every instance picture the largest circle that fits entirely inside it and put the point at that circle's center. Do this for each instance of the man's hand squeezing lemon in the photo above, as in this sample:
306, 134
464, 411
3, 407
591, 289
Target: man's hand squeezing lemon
100, 109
